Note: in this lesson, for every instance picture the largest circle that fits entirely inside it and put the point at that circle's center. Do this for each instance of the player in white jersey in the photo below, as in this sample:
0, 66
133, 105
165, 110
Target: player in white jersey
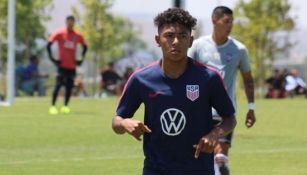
227, 55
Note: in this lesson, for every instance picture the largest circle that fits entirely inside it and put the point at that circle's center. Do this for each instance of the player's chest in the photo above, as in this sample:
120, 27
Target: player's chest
69, 41
187, 93
219, 57
174, 108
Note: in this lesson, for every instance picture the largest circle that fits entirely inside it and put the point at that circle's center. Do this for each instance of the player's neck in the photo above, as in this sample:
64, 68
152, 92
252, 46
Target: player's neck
174, 69
219, 39
70, 29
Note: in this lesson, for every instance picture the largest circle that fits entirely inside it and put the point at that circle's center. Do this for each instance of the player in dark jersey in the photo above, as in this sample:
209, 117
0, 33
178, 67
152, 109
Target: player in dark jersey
67, 39
178, 94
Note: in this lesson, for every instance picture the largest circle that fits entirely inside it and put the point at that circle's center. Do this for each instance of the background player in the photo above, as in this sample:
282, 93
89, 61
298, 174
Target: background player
67, 39
178, 94
227, 55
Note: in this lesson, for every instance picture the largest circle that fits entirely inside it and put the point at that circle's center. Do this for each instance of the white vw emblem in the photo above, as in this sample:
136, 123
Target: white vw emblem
172, 121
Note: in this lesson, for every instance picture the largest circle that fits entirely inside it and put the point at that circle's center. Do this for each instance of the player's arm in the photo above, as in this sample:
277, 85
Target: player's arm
223, 105
227, 125
208, 142
248, 86
249, 91
133, 127
50, 56
55, 36
127, 106
84, 50
116, 125
245, 68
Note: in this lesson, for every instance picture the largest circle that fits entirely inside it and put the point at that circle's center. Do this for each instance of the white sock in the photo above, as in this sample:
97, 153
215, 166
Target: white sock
216, 169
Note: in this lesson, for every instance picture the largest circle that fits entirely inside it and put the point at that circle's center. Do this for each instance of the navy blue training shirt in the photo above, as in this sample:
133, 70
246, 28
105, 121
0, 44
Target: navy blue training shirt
178, 111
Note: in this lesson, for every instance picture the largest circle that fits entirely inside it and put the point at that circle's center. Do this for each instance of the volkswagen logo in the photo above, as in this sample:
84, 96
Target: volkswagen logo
172, 121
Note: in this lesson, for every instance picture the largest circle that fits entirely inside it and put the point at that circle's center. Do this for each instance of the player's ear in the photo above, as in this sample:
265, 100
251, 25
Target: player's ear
157, 38
214, 19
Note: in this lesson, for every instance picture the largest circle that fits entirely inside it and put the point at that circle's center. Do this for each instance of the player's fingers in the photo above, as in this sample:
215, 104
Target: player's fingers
137, 137
198, 148
249, 123
136, 133
197, 151
213, 143
209, 145
146, 129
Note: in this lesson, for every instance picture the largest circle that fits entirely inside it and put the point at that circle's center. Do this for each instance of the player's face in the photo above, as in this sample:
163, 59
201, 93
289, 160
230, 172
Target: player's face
70, 23
174, 40
223, 25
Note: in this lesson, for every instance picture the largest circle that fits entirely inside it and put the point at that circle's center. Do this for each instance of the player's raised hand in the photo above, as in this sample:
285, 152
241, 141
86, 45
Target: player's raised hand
206, 144
135, 128
250, 119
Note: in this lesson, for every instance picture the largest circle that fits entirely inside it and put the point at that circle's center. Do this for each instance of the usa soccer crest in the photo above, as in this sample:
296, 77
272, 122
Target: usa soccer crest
192, 92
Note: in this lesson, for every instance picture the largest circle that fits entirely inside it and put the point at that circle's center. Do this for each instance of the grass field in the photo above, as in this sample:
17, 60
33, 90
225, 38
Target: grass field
82, 143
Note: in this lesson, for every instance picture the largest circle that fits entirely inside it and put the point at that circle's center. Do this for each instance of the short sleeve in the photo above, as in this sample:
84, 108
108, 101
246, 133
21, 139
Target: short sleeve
130, 100
53, 37
244, 61
81, 40
219, 98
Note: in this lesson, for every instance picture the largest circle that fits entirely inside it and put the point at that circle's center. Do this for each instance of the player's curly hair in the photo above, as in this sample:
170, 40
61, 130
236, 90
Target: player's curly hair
175, 15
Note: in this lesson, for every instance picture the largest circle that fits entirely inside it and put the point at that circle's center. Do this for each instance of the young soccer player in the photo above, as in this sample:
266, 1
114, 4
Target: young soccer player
67, 39
227, 55
178, 94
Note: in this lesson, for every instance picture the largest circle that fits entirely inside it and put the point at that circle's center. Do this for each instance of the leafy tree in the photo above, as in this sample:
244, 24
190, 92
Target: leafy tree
263, 26
30, 18
108, 36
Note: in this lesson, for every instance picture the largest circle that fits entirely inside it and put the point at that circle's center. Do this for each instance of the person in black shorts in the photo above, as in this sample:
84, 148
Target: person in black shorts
67, 39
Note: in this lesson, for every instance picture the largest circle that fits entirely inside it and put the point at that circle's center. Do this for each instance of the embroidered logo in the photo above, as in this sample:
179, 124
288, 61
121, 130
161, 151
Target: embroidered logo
192, 92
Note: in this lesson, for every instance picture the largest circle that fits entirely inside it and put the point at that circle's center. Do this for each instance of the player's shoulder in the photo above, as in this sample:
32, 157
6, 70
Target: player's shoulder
56, 34
205, 69
200, 45
146, 71
237, 43
203, 39
60, 30
78, 33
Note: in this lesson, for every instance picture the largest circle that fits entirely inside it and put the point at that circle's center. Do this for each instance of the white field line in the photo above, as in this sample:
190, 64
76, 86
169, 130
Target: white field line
80, 159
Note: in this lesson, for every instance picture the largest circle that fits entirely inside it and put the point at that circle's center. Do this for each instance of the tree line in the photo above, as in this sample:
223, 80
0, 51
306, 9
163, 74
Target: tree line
262, 25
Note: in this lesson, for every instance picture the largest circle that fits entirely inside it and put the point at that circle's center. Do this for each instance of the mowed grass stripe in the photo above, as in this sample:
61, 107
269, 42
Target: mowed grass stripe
33, 142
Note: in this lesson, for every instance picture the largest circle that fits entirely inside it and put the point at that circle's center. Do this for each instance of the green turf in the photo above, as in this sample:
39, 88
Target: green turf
82, 143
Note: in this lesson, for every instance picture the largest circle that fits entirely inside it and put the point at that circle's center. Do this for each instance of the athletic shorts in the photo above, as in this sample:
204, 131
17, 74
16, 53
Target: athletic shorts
65, 75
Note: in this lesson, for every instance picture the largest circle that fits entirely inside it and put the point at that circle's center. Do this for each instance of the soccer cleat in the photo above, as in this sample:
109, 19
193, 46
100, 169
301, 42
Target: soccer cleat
53, 110
65, 110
